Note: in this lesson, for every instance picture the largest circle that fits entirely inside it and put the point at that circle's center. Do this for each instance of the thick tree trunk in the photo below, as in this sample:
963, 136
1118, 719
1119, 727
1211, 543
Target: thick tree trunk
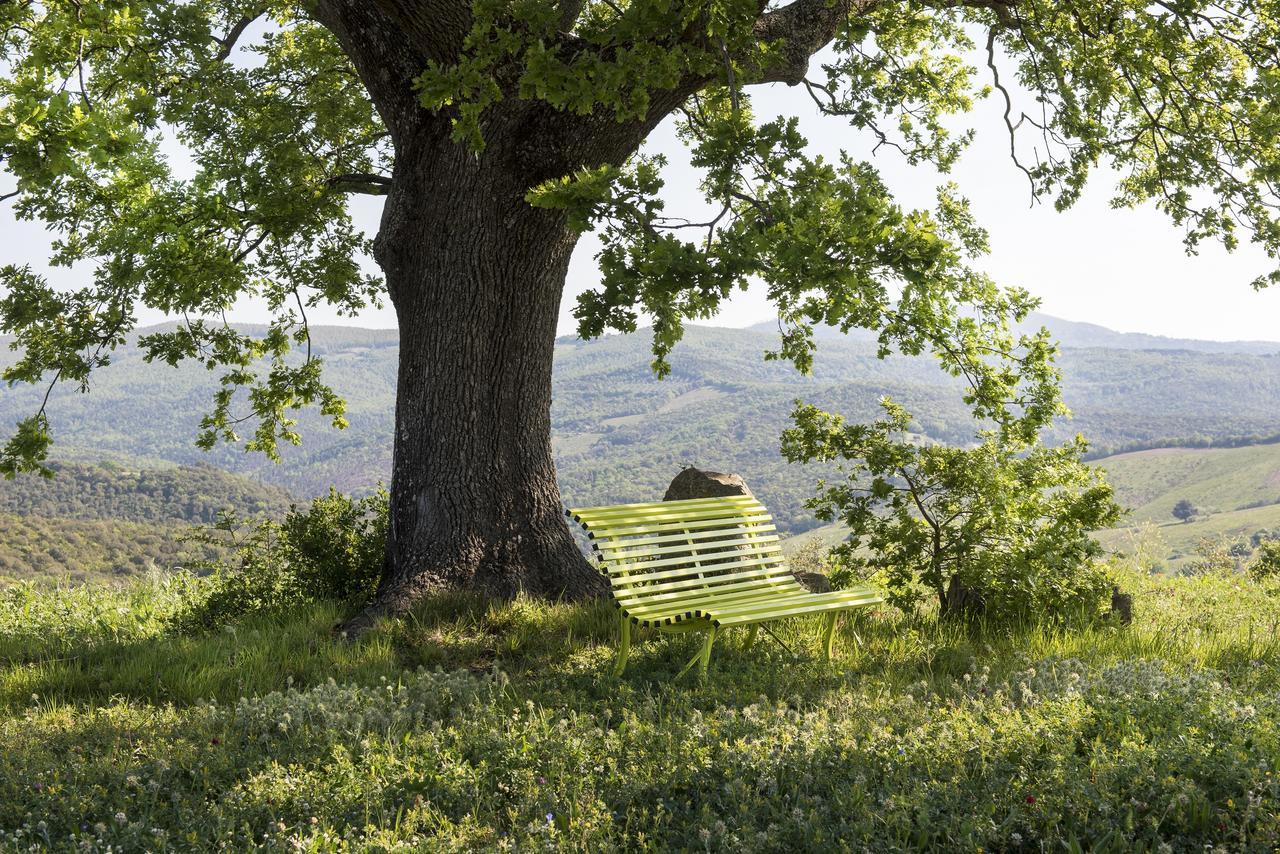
476, 275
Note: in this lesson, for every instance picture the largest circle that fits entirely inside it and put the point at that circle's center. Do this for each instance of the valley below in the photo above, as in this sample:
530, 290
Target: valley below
1199, 414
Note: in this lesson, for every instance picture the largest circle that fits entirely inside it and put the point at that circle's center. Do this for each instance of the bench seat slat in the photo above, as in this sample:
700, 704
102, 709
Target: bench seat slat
694, 606
820, 605
675, 599
725, 523
741, 602
692, 564
608, 543
621, 552
609, 510
710, 511
632, 596
761, 588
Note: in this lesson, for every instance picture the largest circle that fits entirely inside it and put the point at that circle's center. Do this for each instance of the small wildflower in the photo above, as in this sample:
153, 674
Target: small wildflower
1031, 799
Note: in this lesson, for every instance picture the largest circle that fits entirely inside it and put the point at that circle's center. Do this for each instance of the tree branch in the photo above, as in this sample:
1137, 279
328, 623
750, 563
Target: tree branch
569, 12
228, 42
1008, 109
366, 183
804, 27
385, 59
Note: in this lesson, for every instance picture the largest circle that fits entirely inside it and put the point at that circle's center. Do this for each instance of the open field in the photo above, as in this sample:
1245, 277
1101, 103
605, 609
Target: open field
273, 734
1216, 480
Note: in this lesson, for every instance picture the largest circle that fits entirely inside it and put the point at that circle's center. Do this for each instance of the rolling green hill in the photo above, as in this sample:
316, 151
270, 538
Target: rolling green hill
621, 434
1216, 480
1236, 491
96, 521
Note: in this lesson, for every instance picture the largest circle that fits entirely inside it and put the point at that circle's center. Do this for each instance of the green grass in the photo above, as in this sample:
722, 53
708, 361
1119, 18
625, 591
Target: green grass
482, 726
1216, 480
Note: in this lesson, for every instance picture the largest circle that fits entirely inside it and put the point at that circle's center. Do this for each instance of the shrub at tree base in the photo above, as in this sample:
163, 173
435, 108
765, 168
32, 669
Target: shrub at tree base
332, 550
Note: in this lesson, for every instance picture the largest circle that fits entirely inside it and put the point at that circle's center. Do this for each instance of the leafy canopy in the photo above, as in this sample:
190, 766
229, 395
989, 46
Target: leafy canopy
188, 155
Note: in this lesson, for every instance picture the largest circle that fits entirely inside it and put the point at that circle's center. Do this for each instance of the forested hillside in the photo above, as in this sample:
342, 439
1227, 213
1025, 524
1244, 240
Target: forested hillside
109, 491
95, 521
621, 434
46, 550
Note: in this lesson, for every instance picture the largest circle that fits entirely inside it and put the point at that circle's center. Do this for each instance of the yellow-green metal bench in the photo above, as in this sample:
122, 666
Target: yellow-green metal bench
703, 565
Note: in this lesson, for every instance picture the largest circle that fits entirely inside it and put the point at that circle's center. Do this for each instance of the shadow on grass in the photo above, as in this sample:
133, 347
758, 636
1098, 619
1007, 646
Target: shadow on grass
568, 648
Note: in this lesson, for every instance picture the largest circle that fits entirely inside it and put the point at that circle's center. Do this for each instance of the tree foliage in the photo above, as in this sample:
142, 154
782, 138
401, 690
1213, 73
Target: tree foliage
1266, 564
189, 155
1006, 519
1184, 510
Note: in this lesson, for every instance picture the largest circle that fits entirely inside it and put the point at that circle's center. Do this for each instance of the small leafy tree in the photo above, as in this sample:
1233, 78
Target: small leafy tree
1184, 510
1267, 564
1006, 519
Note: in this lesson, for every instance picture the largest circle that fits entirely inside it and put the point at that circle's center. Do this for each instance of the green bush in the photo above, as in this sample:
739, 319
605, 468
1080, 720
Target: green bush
336, 548
998, 528
331, 550
1267, 564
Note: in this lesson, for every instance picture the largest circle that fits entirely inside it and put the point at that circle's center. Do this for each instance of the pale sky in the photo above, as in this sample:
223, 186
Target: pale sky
1124, 269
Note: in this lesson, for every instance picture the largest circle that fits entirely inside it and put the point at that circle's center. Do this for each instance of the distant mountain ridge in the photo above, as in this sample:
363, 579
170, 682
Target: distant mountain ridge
1073, 334
620, 434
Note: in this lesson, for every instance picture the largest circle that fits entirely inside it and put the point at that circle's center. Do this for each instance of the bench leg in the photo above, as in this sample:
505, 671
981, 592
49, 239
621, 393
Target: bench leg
624, 644
705, 658
751, 637
829, 635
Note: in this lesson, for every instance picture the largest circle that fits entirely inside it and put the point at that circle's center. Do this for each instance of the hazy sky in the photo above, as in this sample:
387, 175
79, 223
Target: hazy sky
1123, 269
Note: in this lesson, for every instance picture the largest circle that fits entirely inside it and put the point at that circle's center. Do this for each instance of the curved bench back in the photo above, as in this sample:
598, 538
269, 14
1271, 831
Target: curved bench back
663, 556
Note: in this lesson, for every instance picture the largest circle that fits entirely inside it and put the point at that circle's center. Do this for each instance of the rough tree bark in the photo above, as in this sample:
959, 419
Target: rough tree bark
476, 276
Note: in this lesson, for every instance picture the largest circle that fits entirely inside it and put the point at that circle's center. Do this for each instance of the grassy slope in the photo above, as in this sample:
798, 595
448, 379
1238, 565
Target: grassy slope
1224, 483
274, 734
1237, 491
1216, 480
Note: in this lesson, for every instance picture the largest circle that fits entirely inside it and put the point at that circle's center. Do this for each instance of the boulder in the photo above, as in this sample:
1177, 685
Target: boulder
696, 483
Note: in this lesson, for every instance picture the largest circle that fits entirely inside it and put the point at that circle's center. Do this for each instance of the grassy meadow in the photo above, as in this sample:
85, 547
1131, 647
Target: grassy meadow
475, 726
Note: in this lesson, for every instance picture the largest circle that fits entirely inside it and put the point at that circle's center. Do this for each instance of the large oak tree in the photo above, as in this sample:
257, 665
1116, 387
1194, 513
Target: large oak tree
187, 154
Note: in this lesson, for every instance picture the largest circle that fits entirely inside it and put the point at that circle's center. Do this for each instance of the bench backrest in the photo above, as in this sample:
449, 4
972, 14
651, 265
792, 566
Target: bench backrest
672, 552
